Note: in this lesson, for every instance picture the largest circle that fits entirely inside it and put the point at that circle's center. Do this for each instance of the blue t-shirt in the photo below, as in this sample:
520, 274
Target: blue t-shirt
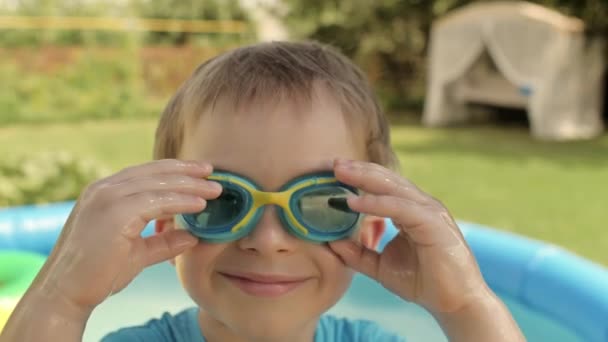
184, 327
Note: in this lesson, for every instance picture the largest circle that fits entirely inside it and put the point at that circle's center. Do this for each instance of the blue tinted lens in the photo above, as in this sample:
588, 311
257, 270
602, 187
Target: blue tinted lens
325, 209
222, 211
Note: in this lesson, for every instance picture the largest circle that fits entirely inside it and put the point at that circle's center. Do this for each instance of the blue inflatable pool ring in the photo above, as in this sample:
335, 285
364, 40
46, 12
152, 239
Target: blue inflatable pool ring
535, 279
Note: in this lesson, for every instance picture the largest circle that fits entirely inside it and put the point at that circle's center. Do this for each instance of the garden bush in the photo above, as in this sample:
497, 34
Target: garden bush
153, 9
46, 177
90, 86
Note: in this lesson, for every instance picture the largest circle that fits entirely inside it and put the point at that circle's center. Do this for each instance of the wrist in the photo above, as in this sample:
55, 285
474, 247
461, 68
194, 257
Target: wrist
57, 289
482, 318
54, 318
49, 298
483, 301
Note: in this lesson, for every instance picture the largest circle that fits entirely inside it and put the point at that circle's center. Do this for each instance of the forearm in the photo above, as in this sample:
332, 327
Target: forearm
40, 316
485, 320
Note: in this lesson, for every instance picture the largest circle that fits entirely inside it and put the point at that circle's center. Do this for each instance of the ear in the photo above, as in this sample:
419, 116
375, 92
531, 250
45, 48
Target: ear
162, 225
371, 231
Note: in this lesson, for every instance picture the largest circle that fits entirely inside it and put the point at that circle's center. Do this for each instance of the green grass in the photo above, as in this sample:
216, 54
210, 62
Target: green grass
503, 178
498, 177
115, 143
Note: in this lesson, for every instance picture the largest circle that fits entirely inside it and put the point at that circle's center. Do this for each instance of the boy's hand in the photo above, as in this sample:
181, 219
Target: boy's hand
428, 262
100, 249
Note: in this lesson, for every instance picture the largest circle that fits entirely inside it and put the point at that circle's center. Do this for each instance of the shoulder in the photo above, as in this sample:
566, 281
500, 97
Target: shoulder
182, 326
332, 328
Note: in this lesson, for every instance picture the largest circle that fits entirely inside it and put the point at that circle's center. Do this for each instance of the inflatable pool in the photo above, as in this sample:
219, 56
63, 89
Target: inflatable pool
554, 295
17, 271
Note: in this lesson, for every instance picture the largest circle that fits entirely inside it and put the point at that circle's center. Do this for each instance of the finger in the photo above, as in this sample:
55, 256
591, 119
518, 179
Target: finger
376, 179
176, 183
165, 166
422, 223
145, 207
168, 245
357, 257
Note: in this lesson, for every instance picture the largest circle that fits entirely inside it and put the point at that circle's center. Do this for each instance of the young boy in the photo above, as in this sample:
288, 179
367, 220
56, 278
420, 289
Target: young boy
268, 255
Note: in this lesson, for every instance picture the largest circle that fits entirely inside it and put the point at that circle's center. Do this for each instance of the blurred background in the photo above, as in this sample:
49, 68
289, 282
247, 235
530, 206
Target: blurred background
82, 83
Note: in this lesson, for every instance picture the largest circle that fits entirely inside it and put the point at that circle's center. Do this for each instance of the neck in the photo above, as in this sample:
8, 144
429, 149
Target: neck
216, 331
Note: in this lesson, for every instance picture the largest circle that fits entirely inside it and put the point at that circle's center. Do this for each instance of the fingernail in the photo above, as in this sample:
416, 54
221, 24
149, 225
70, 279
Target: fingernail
215, 186
350, 198
205, 166
346, 163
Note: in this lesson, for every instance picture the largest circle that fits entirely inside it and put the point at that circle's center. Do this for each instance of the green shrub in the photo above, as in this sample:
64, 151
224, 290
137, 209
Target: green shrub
46, 177
387, 38
78, 8
189, 10
92, 87
158, 9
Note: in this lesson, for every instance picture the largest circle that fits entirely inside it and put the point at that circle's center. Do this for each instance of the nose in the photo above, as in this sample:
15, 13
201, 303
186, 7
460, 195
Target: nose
269, 236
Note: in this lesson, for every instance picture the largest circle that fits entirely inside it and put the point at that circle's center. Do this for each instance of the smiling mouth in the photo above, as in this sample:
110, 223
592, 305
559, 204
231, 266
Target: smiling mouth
269, 286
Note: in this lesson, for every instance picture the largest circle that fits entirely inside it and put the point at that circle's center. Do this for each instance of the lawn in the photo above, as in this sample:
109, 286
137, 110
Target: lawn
500, 177
503, 178
115, 143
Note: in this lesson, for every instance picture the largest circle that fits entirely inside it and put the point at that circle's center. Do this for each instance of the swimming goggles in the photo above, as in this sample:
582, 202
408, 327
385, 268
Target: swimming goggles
312, 207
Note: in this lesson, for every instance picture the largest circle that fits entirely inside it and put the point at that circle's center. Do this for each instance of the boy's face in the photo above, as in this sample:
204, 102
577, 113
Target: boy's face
270, 282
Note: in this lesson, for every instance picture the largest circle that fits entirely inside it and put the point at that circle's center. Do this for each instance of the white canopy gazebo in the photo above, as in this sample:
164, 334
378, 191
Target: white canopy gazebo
543, 62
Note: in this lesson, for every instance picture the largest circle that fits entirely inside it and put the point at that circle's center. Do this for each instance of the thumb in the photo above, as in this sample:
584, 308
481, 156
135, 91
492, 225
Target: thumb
357, 257
167, 245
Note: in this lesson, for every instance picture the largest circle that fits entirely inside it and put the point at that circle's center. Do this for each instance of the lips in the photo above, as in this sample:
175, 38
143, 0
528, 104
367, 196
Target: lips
264, 285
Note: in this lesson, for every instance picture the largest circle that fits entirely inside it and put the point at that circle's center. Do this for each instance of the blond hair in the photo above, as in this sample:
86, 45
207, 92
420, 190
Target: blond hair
270, 70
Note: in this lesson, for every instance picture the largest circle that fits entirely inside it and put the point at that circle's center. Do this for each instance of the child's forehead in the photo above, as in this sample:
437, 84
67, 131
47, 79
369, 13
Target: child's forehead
272, 176
277, 114
272, 150
272, 142
295, 101
280, 119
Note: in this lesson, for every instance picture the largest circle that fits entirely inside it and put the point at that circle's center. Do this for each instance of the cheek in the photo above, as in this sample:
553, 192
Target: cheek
336, 276
195, 267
